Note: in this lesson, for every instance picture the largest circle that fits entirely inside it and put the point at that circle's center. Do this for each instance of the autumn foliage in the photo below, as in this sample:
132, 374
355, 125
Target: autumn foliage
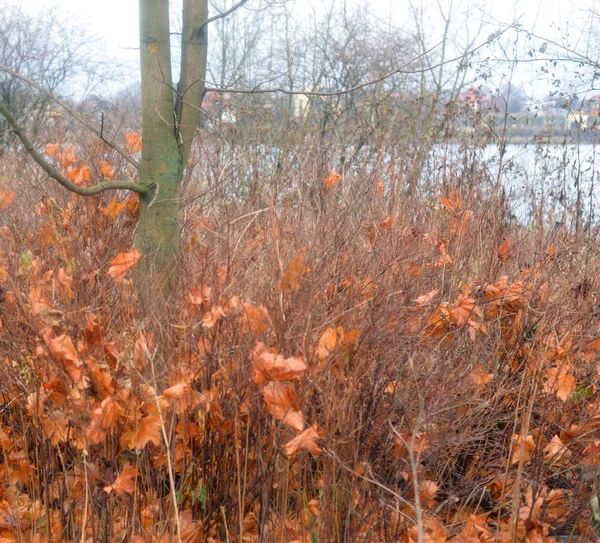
356, 367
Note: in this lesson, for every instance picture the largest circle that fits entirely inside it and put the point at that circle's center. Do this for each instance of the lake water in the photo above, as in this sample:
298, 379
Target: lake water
556, 180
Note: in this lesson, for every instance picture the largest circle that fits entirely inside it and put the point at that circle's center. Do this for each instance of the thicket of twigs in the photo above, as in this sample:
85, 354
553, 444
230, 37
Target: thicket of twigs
346, 359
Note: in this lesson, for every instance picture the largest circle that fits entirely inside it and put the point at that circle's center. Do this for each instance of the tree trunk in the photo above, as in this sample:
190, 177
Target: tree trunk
161, 166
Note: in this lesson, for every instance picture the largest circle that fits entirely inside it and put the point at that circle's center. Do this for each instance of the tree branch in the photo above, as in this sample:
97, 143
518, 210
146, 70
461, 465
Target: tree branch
71, 111
224, 13
401, 70
53, 172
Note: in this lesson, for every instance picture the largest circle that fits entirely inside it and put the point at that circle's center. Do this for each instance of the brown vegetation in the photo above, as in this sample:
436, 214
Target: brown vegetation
346, 361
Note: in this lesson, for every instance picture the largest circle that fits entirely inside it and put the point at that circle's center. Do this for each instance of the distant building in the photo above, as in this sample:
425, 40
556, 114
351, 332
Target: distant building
475, 99
219, 107
576, 120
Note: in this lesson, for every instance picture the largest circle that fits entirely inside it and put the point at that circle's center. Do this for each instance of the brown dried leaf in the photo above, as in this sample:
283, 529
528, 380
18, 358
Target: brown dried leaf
270, 366
124, 483
122, 263
280, 400
306, 440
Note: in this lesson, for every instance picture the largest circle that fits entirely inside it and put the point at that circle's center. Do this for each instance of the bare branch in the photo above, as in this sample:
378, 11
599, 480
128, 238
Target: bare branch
404, 69
224, 13
53, 172
71, 111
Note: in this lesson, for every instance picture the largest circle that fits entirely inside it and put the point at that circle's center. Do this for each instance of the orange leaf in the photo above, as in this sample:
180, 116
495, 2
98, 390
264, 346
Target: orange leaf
200, 296
522, 448
106, 171
6, 198
425, 299
445, 258
559, 382
556, 507
147, 430
427, 492
380, 187
327, 343
331, 180
122, 263
464, 311
65, 281
476, 531
293, 275
182, 395
255, 318
280, 400
453, 202
270, 366
133, 205
124, 483
305, 440
134, 142
113, 209
213, 316
63, 350
592, 453
481, 377
67, 158
52, 149
556, 452
79, 175
387, 223
505, 251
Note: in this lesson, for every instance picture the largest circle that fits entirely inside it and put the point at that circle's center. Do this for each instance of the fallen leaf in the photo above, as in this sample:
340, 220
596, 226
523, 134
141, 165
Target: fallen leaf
556, 452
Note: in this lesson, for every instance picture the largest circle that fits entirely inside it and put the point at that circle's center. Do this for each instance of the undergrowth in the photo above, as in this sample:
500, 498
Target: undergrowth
344, 361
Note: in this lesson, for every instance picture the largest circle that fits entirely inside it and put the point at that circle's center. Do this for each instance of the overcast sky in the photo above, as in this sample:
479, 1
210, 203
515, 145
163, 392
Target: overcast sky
116, 21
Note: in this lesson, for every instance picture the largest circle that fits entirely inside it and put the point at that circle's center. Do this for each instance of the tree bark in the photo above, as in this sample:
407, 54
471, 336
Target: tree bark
161, 166
192, 80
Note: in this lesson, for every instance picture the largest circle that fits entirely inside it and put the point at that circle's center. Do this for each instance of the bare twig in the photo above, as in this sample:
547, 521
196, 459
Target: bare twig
71, 111
404, 69
224, 13
56, 175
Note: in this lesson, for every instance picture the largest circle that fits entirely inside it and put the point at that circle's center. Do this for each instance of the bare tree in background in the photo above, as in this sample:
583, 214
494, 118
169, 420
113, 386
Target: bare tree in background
52, 51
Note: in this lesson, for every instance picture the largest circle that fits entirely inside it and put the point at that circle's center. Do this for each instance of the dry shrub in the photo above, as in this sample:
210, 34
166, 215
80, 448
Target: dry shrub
346, 360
